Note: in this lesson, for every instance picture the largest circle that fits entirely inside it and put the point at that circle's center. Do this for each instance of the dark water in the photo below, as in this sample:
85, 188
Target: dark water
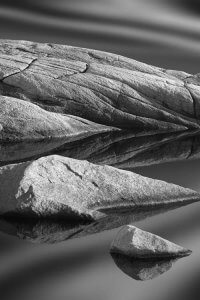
163, 33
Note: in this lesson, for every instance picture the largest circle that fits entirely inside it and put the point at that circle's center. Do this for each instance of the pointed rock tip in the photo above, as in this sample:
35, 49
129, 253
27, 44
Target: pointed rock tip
134, 242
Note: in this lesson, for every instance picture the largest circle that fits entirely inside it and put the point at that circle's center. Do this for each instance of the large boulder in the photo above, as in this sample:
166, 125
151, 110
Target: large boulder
102, 87
56, 186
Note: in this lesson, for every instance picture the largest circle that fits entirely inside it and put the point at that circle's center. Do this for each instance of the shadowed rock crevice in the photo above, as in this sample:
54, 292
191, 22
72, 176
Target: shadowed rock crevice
194, 102
26, 68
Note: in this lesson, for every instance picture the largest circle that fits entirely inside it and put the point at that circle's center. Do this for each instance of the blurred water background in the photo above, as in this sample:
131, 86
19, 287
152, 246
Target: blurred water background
159, 32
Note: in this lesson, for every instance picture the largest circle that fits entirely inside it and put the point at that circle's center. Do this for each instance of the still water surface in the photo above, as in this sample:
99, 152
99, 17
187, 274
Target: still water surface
83, 268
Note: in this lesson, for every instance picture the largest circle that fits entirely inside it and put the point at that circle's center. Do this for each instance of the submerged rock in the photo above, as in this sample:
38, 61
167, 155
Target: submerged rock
99, 86
134, 242
142, 269
56, 186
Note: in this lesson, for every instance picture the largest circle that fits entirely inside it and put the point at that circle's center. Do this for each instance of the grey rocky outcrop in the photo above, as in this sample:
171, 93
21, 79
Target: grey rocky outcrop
21, 121
121, 149
134, 242
79, 103
56, 186
98, 86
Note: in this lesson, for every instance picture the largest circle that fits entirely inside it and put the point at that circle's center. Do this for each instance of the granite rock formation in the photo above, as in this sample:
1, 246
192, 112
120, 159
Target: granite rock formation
134, 242
87, 104
98, 86
23, 121
56, 186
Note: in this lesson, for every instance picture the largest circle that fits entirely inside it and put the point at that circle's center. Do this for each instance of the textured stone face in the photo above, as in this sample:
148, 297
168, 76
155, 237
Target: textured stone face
23, 121
134, 242
99, 86
52, 97
56, 186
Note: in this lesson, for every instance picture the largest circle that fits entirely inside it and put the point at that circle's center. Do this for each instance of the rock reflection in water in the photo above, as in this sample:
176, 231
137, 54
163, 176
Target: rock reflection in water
140, 269
123, 149
58, 230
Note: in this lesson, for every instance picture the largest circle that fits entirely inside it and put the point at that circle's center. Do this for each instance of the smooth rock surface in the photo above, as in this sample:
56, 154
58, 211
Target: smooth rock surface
134, 242
24, 121
56, 186
99, 86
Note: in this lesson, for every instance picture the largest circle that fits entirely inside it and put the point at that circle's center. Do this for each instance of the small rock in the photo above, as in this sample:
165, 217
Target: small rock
134, 242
